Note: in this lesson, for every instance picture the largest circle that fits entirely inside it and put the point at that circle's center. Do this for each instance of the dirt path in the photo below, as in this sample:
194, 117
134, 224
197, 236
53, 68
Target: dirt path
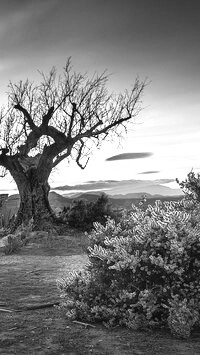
33, 279
30, 278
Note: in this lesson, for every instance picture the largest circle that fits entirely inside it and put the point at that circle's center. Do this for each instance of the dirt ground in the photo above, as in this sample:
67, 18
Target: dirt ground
28, 280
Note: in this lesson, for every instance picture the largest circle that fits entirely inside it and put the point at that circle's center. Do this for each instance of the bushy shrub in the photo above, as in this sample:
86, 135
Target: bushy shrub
181, 317
143, 271
191, 186
78, 215
83, 213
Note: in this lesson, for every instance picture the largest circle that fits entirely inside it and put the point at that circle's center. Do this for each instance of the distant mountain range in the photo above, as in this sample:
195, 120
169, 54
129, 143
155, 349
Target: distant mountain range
122, 194
121, 189
122, 201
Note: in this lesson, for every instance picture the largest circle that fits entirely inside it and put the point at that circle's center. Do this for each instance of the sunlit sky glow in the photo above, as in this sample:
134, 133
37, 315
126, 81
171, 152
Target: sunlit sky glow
158, 39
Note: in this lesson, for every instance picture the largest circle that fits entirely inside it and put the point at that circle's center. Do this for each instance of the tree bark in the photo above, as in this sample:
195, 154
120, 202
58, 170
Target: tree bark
33, 187
34, 205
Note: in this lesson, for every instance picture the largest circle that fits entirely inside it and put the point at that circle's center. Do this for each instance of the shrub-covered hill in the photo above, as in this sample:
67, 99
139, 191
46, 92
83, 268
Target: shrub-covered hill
58, 202
124, 201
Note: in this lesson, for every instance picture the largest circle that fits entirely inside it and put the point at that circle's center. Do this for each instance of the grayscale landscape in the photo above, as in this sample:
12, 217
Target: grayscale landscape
99, 177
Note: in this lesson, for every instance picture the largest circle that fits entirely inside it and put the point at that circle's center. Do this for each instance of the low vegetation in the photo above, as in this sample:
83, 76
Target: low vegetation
144, 271
13, 242
144, 268
82, 214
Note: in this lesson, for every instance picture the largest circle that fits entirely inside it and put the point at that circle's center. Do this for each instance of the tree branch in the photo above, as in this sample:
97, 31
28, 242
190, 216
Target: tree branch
88, 133
59, 137
26, 115
79, 156
72, 119
61, 157
31, 141
114, 124
46, 118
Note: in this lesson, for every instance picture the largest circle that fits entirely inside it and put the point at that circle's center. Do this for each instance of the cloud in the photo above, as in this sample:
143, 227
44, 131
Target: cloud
125, 156
163, 181
149, 172
108, 184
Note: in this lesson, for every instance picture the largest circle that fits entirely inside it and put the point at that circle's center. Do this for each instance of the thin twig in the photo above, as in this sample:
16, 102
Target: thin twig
85, 324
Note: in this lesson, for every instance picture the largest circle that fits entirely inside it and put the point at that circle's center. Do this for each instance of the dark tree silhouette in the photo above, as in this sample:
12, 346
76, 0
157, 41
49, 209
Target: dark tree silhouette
64, 116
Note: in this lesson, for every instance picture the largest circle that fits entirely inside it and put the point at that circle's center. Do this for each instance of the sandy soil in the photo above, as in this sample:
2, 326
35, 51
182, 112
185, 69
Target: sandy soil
29, 278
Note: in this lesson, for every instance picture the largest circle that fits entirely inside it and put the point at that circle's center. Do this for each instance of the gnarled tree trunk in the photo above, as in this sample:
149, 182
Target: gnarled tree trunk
34, 204
32, 183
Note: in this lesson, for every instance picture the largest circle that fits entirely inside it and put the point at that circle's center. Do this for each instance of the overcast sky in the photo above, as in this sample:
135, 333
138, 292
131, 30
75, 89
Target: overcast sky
158, 39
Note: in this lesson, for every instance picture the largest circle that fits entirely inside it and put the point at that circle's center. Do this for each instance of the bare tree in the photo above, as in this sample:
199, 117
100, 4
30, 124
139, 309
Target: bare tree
64, 116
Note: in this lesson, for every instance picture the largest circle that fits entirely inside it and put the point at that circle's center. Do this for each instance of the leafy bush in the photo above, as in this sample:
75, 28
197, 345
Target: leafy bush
83, 214
191, 186
181, 317
143, 271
